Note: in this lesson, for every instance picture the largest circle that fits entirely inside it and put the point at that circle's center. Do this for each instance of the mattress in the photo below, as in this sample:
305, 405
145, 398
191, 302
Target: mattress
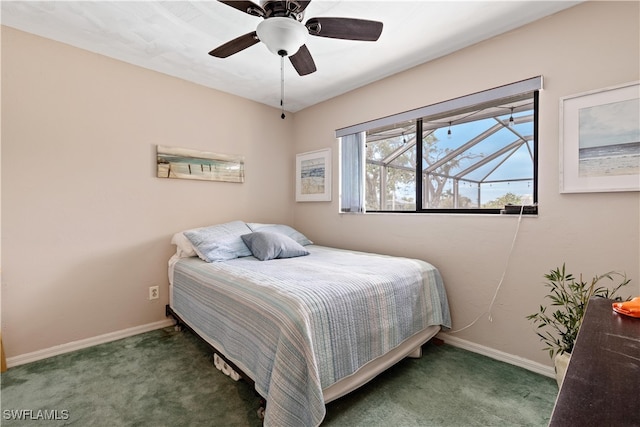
302, 327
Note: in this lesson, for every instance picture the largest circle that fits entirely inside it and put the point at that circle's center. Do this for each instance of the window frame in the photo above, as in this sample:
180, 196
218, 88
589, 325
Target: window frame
494, 96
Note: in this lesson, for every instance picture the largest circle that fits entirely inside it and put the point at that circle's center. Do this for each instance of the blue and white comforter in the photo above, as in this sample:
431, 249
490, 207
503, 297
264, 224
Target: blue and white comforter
298, 325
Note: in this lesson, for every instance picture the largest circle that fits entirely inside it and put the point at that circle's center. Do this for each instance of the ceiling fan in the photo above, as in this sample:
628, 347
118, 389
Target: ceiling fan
284, 34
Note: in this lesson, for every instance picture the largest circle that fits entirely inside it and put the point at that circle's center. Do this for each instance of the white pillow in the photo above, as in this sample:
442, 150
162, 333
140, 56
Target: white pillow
184, 248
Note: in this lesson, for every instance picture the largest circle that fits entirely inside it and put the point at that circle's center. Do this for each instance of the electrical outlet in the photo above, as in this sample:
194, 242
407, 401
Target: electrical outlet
154, 292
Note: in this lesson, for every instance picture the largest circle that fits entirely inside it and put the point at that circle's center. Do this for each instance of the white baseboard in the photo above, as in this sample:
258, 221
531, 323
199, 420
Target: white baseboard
88, 342
527, 364
113, 336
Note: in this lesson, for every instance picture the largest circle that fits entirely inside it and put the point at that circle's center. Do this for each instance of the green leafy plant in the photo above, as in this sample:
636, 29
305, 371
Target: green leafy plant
560, 326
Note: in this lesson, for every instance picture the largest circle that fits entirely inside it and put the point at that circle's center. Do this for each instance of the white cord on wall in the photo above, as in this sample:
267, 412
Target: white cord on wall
504, 273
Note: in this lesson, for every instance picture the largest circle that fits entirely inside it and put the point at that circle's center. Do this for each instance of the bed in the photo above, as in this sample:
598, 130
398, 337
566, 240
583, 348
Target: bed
305, 323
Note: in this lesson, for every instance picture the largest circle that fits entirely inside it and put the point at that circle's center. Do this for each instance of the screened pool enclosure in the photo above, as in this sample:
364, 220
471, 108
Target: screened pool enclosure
479, 158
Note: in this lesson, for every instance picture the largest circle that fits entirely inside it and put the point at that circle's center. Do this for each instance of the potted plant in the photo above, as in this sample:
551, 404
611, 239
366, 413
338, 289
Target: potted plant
559, 321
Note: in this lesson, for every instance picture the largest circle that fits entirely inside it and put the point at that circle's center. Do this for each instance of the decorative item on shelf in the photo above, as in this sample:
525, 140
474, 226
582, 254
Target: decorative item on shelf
628, 308
570, 296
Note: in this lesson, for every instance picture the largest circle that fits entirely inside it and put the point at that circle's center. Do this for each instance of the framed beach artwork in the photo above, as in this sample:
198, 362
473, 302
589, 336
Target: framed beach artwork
600, 140
313, 176
184, 163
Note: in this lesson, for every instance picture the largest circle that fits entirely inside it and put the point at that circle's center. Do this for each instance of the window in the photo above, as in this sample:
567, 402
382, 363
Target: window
474, 154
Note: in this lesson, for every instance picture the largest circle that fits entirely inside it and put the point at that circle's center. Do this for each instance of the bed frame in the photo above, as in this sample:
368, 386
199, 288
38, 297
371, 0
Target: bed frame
181, 324
412, 347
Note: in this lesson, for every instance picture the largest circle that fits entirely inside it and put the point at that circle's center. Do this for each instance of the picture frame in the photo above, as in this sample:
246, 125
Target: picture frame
600, 140
184, 163
313, 176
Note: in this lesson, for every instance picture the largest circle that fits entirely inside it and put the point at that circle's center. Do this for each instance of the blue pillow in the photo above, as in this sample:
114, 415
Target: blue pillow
219, 242
281, 229
265, 245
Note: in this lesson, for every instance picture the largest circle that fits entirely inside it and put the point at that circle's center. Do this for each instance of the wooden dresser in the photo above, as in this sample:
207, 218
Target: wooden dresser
602, 383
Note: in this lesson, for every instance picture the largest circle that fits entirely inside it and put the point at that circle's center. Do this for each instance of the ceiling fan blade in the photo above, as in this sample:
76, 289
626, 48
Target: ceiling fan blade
303, 62
303, 5
345, 28
246, 6
235, 45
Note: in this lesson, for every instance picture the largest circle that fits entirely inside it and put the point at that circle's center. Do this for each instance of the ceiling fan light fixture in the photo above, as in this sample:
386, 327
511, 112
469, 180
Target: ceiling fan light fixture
282, 36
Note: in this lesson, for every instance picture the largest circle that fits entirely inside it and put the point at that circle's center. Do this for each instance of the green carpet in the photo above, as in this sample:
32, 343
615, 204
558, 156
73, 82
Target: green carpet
167, 378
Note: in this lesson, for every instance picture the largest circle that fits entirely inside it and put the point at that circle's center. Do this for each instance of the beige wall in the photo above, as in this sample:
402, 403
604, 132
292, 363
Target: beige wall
590, 46
85, 223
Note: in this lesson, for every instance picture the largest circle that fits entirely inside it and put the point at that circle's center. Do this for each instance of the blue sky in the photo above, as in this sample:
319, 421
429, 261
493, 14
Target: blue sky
610, 124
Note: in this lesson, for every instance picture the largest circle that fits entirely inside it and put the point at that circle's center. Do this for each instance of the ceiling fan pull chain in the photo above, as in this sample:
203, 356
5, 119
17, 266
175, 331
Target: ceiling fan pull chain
282, 116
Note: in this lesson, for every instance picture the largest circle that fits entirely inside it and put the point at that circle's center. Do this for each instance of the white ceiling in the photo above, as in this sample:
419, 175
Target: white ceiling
174, 37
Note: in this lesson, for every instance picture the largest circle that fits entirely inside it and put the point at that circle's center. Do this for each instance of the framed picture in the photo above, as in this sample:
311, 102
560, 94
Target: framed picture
600, 140
183, 163
313, 176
